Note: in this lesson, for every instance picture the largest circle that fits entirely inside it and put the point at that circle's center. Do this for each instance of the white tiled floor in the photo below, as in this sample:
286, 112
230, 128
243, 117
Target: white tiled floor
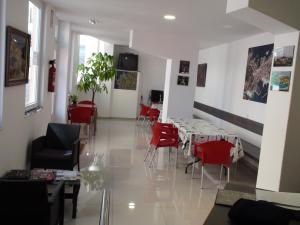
162, 195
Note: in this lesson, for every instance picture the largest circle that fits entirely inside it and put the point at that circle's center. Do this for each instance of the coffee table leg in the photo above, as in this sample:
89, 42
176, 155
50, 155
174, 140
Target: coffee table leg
62, 206
76, 189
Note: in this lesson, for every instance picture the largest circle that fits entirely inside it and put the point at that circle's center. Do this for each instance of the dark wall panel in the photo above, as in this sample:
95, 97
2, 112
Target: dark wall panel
245, 123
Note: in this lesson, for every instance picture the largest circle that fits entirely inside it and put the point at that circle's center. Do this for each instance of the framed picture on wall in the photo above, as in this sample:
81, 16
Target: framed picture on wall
126, 80
201, 75
258, 70
280, 81
284, 56
183, 80
184, 66
17, 57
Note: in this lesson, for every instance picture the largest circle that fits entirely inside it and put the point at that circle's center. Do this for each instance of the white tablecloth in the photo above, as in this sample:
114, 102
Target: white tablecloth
196, 129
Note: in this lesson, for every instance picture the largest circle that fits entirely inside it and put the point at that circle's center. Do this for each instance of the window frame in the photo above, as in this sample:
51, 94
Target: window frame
37, 105
2, 55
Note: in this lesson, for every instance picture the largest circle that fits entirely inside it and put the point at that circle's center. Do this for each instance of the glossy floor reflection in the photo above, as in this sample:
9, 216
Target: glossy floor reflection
162, 195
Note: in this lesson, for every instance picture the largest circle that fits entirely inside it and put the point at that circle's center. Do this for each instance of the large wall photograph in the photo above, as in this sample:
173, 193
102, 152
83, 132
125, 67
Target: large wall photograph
258, 71
126, 80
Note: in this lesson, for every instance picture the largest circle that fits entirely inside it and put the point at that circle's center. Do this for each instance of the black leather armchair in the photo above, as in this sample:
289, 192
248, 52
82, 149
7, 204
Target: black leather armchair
59, 149
28, 202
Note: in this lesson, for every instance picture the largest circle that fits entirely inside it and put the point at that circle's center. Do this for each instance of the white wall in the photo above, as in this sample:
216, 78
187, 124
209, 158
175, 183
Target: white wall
287, 13
18, 130
178, 100
280, 136
226, 70
291, 158
124, 102
152, 70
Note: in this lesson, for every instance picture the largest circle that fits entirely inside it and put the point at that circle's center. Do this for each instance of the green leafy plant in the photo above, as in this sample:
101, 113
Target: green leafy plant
98, 69
73, 99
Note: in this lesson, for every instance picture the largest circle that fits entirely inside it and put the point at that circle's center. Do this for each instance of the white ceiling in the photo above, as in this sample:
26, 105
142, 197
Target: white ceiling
204, 19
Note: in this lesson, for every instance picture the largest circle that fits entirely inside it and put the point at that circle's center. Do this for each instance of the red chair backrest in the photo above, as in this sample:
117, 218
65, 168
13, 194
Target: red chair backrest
215, 152
161, 126
144, 110
161, 135
81, 115
153, 114
87, 102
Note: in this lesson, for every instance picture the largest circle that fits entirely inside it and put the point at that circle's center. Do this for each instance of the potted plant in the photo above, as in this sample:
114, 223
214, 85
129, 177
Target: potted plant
73, 99
98, 69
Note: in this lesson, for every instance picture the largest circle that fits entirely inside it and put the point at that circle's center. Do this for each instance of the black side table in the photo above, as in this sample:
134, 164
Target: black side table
72, 194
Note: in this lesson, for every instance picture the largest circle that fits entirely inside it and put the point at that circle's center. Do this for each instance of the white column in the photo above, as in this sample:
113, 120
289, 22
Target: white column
62, 62
280, 154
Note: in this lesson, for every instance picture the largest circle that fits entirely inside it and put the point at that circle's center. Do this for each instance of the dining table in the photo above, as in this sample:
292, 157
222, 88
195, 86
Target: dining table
197, 130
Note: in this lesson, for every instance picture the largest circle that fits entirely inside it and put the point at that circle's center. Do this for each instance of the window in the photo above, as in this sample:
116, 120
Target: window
34, 29
87, 46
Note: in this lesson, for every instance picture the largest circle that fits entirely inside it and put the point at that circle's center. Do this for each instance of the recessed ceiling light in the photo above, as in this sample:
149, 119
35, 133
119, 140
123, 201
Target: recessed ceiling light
93, 21
169, 17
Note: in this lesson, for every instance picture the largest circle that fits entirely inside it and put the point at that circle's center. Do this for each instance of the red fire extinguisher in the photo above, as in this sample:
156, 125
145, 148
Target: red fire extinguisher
52, 73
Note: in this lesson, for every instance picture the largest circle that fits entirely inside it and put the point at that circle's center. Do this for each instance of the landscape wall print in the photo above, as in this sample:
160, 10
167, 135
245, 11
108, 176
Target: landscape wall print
280, 81
258, 73
201, 75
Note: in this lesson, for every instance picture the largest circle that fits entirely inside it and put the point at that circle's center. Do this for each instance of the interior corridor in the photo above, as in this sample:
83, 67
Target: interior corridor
161, 195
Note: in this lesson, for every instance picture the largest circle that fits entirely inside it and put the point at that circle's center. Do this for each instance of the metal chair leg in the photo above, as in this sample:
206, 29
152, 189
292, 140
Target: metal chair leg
147, 153
228, 174
202, 173
176, 160
143, 121
169, 154
88, 131
151, 162
221, 175
193, 170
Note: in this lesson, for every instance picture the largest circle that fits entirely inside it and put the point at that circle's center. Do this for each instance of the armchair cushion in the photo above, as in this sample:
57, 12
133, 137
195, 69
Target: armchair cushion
59, 149
54, 154
62, 136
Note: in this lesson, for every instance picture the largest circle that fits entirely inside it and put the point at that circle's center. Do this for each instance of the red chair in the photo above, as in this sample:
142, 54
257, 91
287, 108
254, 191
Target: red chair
82, 115
87, 102
153, 115
144, 113
213, 152
162, 126
95, 111
163, 136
